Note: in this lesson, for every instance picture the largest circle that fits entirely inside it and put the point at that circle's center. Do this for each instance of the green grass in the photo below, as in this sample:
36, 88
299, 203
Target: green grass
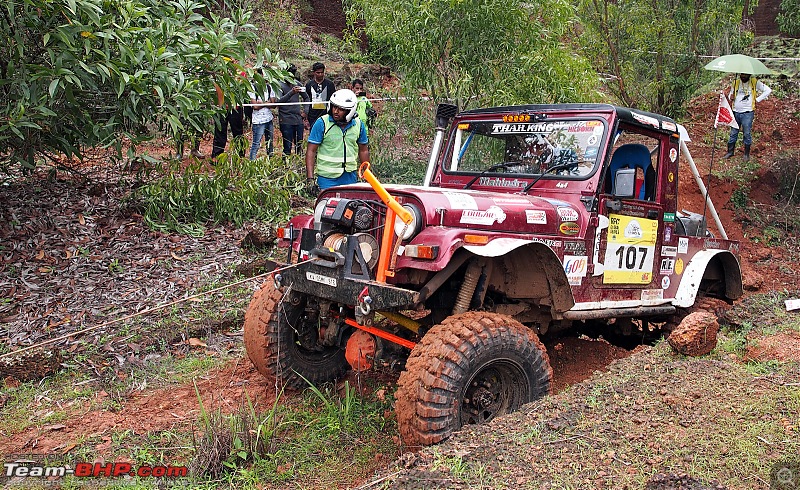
38, 403
324, 439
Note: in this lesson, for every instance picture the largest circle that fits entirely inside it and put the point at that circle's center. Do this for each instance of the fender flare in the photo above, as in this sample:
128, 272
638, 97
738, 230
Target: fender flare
689, 286
558, 283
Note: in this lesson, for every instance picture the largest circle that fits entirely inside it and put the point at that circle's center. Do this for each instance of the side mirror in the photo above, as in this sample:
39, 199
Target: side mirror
624, 183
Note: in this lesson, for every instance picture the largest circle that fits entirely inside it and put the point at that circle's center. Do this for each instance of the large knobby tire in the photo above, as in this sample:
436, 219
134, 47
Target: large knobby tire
469, 369
271, 329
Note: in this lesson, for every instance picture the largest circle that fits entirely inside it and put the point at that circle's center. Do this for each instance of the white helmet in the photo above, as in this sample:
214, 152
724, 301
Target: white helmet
347, 100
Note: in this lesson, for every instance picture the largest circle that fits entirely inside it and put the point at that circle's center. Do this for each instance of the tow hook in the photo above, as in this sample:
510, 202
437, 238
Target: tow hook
363, 308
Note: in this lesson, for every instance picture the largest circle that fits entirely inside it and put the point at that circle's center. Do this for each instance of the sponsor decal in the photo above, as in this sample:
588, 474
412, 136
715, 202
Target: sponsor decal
673, 155
679, 266
547, 241
568, 214
668, 234
591, 152
630, 250
650, 121
667, 265
488, 217
633, 209
460, 200
665, 282
669, 217
543, 127
535, 217
510, 200
671, 177
569, 228
592, 141
683, 245
734, 247
633, 229
669, 251
575, 266
652, 295
501, 182
575, 247
669, 126
713, 244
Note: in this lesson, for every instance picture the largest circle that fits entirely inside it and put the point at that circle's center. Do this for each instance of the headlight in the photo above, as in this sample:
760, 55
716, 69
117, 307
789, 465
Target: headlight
406, 231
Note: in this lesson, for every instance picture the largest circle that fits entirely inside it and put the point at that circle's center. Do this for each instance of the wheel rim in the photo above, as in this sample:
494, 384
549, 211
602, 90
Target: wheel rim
299, 325
497, 388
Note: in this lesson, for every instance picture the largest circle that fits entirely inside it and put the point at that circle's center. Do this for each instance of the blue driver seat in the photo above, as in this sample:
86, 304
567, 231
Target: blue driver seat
633, 155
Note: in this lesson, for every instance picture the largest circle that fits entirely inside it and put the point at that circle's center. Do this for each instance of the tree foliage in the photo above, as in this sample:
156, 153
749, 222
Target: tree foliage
788, 18
650, 49
481, 51
76, 74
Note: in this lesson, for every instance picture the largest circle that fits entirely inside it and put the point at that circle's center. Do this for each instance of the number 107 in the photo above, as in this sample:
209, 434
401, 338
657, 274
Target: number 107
630, 255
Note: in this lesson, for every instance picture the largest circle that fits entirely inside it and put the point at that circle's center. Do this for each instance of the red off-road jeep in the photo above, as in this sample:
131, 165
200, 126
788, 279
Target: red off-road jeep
532, 219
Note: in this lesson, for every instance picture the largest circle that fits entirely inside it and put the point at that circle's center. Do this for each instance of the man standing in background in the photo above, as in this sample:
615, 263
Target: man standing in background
291, 115
262, 119
320, 90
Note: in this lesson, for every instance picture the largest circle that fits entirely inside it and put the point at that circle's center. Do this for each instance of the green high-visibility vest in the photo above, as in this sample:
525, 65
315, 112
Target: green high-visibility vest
336, 154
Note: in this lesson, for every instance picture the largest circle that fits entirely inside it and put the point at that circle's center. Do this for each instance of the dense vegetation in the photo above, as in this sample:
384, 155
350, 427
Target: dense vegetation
81, 74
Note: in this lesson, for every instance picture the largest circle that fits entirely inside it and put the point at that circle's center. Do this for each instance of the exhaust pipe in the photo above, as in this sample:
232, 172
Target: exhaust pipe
444, 114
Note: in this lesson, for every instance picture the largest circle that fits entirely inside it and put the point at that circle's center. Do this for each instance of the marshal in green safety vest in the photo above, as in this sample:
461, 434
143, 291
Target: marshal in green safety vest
337, 144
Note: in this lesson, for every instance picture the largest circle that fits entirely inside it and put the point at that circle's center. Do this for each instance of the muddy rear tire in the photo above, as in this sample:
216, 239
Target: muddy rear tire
469, 369
272, 326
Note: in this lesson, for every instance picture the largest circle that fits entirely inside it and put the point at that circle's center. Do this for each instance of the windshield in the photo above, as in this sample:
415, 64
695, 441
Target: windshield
528, 148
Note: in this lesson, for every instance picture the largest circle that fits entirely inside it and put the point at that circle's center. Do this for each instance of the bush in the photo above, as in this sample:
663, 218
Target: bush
788, 18
78, 74
238, 190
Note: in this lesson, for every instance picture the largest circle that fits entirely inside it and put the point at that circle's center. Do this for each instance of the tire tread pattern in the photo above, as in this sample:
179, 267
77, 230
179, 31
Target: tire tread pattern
427, 399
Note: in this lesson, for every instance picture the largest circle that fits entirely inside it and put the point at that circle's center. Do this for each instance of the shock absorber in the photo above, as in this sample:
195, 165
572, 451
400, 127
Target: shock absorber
471, 278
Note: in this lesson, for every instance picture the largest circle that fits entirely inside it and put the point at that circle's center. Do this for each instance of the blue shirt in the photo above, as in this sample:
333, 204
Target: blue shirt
318, 130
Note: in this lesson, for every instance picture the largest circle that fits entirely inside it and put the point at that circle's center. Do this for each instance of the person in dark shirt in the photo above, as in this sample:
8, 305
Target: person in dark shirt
291, 116
319, 89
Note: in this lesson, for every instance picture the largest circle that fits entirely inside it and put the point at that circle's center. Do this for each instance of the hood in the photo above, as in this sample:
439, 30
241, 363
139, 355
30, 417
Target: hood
486, 211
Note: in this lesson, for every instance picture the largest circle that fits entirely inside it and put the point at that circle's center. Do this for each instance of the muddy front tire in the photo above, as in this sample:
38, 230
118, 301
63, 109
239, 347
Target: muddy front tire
272, 329
469, 369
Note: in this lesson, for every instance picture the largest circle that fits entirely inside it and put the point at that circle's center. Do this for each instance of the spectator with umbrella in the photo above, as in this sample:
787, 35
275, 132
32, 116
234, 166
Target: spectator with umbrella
745, 92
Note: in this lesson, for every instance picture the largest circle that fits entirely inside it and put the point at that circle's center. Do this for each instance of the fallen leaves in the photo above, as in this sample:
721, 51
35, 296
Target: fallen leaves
57, 243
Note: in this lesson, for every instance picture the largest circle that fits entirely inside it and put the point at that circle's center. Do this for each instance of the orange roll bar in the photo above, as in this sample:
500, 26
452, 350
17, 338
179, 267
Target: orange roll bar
365, 173
394, 209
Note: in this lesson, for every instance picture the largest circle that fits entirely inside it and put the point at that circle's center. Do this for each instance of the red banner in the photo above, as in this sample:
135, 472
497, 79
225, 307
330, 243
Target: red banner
724, 113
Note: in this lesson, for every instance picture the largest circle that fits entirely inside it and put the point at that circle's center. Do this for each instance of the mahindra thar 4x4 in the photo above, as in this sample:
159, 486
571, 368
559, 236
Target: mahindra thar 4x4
532, 219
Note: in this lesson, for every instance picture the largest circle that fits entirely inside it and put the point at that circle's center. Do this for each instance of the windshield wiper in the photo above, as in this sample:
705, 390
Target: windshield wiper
496, 166
560, 166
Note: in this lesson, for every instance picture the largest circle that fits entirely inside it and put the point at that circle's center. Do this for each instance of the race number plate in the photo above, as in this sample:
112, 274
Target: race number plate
630, 250
328, 281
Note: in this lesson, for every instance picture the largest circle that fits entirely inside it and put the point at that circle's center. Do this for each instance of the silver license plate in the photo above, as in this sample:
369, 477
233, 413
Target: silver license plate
329, 281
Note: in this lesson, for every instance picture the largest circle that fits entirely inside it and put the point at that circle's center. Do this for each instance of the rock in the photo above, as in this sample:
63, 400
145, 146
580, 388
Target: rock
696, 335
751, 280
